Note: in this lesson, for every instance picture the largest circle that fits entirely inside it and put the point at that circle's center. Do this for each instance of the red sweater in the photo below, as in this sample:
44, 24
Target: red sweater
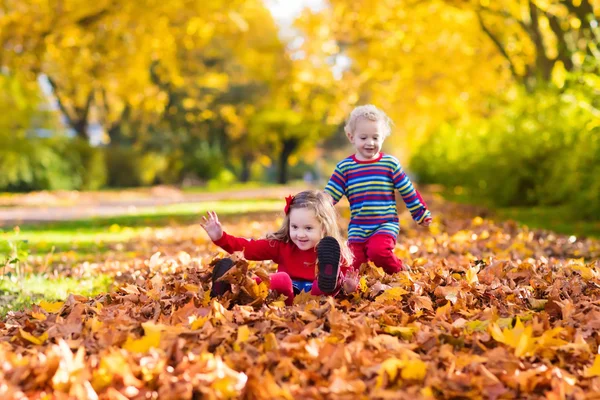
299, 264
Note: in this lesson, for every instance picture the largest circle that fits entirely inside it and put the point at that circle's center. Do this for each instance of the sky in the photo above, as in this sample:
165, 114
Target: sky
284, 11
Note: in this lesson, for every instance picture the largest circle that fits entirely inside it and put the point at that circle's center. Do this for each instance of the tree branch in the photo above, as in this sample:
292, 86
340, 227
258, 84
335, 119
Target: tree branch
564, 54
61, 104
501, 48
78, 119
543, 63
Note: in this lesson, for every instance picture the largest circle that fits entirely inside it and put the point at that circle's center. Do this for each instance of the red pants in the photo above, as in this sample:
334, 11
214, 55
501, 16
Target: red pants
282, 284
380, 250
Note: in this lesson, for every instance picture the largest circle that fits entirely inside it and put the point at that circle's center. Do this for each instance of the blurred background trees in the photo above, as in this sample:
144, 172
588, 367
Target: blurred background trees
501, 98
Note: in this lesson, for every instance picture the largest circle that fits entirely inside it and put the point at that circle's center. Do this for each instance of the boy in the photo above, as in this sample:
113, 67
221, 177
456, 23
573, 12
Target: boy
369, 179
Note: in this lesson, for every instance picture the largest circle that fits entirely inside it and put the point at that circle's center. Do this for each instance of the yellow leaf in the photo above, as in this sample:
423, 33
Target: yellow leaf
549, 338
404, 332
151, 339
594, 370
443, 310
471, 275
271, 342
414, 370
586, 273
362, 284
34, 339
94, 324
39, 316
520, 338
243, 335
427, 392
477, 326
51, 307
206, 299
278, 304
192, 288
390, 368
262, 291
393, 294
198, 322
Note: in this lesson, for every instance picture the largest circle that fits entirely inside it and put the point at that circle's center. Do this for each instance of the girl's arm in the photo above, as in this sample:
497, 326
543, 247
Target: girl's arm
256, 250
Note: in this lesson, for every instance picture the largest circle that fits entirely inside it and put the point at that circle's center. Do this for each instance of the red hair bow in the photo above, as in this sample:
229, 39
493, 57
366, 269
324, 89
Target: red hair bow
288, 203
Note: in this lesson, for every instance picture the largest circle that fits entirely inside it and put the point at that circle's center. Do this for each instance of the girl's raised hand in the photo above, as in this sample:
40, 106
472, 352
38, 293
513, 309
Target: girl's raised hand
212, 226
426, 222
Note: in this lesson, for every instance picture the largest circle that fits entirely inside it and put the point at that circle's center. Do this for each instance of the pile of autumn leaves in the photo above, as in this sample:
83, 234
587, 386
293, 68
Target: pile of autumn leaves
488, 310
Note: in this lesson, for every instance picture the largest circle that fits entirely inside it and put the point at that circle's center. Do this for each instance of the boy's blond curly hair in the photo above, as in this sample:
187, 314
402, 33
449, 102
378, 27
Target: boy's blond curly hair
372, 113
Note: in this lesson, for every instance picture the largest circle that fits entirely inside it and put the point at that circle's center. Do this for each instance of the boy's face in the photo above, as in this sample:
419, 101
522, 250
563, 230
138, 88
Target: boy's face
367, 139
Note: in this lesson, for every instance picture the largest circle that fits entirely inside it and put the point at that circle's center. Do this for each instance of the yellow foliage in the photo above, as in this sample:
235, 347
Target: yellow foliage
393, 294
410, 369
198, 322
405, 332
151, 339
594, 370
38, 316
243, 334
51, 307
34, 339
271, 342
520, 337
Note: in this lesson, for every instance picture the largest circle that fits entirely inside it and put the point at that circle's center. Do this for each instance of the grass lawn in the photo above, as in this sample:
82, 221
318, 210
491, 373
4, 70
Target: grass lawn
92, 235
19, 292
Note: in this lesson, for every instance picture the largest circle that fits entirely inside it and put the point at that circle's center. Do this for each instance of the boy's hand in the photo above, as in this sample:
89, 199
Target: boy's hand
426, 222
212, 226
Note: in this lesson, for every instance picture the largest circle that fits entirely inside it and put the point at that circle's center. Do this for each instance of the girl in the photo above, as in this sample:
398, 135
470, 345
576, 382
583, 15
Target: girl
309, 236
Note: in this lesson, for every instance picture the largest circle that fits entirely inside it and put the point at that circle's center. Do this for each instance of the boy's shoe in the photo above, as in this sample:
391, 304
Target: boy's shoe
328, 257
220, 268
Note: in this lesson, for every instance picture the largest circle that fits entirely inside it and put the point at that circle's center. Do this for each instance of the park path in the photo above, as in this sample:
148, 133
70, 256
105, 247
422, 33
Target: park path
46, 207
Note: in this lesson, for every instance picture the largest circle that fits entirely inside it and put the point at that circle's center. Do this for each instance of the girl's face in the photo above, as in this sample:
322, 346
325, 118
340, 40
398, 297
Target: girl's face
305, 229
367, 139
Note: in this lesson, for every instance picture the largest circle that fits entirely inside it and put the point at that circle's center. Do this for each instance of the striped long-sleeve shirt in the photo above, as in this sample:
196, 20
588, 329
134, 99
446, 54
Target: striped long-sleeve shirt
370, 188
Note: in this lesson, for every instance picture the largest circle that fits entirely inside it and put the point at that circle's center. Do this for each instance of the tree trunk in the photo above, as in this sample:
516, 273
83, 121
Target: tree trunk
80, 128
246, 164
289, 145
543, 63
77, 117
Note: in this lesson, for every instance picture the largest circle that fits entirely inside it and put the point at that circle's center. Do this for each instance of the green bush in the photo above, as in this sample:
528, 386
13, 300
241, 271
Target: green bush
122, 166
204, 161
129, 167
28, 164
87, 163
540, 149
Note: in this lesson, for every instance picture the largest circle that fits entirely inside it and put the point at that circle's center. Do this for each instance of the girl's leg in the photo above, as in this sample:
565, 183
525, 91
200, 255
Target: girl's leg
380, 250
315, 291
220, 268
282, 284
328, 259
359, 251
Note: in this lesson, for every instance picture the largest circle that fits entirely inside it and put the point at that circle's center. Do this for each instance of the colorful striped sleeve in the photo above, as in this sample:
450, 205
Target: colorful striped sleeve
413, 200
336, 187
